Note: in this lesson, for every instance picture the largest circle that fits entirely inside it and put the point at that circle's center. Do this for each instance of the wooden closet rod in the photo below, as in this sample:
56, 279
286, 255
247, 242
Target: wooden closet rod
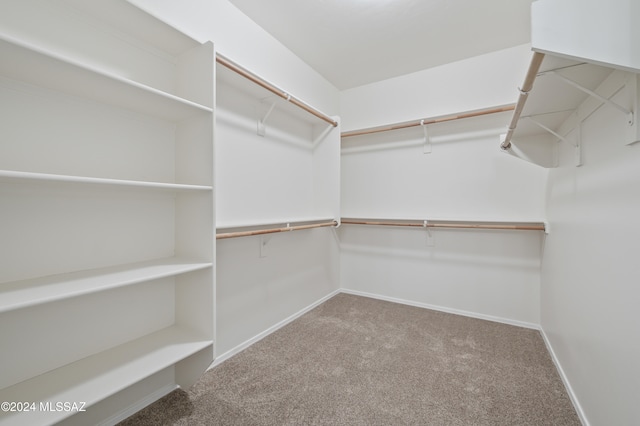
264, 231
534, 67
273, 89
523, 226
426, 121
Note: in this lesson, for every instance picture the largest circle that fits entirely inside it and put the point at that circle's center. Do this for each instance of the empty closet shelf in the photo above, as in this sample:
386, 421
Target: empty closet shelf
31, 292
94, 378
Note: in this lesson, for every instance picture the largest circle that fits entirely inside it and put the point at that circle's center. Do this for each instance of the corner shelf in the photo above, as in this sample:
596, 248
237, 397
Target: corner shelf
566, 92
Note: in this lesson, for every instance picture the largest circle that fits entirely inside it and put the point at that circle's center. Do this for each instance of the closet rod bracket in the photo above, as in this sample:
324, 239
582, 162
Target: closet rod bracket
262, 122
425, 225
427, 140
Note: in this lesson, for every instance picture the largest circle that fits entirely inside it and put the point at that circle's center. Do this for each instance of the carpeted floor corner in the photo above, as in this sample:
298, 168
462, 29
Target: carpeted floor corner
360, 361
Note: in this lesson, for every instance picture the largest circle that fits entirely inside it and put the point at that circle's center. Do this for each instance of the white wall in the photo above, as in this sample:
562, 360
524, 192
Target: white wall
243, 41
475, 83
466, 176
257, 290
590, 270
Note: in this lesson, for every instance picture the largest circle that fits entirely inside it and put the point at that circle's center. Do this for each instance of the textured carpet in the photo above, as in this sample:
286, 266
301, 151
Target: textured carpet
360, 361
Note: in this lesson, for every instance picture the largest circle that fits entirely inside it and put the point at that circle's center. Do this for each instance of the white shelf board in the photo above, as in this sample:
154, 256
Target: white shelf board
99, 376
12, 176
38, 67
31, 292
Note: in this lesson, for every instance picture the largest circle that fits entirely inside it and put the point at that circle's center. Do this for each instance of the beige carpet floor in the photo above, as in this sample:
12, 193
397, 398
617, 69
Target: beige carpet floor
360, 361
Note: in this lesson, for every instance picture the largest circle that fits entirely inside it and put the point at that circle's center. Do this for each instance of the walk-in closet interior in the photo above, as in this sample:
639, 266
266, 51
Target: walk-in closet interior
177, 182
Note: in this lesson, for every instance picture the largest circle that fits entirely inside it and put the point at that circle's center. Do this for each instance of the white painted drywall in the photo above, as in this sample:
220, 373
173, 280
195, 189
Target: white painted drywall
590, 270
475, 83
486, 274
255, 293
466, 176
243, 41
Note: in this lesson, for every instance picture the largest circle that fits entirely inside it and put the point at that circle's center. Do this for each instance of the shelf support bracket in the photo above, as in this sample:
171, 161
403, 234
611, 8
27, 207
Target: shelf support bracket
427, 140
554, 133
578, 144
262, 122
629, 114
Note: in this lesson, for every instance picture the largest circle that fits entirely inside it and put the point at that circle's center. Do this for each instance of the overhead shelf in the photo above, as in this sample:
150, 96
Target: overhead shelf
99, 376
43, 68
553, 92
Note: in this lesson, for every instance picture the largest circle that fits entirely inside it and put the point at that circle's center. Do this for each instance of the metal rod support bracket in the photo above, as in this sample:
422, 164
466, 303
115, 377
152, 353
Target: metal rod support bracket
262, 122
430, 241
554, 133
627, 112
427, 140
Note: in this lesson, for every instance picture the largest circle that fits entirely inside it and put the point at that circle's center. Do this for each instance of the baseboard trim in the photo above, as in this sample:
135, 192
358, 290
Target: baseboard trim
565, 380
137, 406
242, 346
444, 309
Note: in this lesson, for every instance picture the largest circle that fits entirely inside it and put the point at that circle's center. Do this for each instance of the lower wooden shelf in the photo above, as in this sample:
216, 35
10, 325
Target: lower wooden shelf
99, 376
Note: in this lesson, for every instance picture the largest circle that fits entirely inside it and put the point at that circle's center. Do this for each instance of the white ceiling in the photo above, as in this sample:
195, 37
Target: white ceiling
355, 42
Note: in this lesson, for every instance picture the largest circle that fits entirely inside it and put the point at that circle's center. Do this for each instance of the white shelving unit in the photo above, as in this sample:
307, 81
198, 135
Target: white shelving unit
576, 77
107, 200
276, 163
560, 101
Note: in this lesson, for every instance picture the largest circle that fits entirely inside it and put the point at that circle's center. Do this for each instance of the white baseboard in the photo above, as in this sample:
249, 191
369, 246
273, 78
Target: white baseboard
221, 358
239, 348
225, 356
444, 309
574, 399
